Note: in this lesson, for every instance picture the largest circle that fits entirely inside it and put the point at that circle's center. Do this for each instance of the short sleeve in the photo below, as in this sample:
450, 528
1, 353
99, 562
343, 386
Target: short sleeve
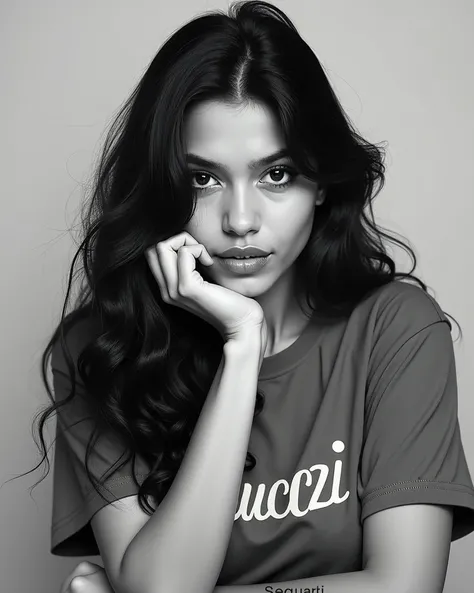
75, 500
412, 451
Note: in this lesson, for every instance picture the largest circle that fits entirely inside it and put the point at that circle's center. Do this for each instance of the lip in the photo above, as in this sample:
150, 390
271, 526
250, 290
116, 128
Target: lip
244, 266
248, 250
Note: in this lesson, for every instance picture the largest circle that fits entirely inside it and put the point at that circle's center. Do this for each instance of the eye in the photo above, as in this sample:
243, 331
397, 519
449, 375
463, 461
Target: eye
277, 169
202, 177
282, 169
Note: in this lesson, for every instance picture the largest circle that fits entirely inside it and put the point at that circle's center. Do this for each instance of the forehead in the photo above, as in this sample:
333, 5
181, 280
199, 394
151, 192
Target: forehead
217, 126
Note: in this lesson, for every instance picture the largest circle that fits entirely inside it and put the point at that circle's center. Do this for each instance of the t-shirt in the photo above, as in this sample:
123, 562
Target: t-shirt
360, 415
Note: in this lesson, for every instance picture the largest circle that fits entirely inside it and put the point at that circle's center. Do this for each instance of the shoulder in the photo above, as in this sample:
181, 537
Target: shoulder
401, 308
398, 316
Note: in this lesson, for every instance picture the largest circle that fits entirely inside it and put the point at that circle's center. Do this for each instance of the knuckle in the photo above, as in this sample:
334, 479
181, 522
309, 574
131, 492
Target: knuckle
183, 289
185, 236
78, 584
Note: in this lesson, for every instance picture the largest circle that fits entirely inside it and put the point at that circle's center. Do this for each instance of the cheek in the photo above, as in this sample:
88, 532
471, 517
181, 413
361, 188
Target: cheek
294, 233
200, 223
296, 223
195, 226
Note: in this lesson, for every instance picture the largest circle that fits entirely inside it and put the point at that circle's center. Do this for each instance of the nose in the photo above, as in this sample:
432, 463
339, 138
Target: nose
241, 212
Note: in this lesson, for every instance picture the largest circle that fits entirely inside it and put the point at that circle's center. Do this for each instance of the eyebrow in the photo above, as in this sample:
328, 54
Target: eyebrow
197, 160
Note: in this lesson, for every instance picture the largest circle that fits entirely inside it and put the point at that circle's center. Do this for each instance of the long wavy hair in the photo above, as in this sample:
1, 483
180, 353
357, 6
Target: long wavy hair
148, 371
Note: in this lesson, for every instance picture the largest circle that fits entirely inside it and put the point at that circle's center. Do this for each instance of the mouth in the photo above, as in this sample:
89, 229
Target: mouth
246, 257
244, 265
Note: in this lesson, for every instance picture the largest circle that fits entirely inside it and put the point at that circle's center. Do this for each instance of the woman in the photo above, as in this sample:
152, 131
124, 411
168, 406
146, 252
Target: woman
301, 404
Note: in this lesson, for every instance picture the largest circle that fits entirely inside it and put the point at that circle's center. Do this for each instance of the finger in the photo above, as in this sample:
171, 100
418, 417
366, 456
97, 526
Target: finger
185, 239
168, 259
152, 258
168, 263
180, 239
164, 262
66, 584
187, 256
84, 568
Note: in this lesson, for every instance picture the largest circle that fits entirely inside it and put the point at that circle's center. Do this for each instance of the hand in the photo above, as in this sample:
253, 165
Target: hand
173, 264
87, 577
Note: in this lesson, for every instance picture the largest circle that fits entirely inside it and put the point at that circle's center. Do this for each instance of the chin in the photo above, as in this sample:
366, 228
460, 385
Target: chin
249, 286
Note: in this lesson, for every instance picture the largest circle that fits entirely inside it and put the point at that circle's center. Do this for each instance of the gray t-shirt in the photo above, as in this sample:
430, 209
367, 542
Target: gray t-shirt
360, 415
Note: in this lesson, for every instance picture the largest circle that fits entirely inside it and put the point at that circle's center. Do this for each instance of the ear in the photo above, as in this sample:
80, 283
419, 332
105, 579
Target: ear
321, 196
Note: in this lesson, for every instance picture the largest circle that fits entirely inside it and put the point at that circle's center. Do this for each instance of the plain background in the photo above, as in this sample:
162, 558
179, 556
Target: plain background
403, 71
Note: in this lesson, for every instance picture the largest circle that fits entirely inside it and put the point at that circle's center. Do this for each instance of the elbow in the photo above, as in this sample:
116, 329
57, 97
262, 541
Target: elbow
134, 578
129, 579
124, 584
147, 570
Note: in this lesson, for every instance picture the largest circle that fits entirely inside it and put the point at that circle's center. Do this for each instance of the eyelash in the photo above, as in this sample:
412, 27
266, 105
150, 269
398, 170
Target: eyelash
292, 172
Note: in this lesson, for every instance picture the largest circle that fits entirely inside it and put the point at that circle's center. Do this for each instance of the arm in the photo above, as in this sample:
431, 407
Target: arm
183, 544
406, 550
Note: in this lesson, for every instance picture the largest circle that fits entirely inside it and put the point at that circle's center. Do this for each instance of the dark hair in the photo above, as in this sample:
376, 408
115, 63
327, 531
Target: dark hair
149, 370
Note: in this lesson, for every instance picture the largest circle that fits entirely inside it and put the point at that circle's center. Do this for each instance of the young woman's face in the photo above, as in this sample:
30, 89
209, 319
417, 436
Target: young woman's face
238, 205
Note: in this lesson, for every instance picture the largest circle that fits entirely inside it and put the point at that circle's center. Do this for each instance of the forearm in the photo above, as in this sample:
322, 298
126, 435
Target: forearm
364, 581
183, 544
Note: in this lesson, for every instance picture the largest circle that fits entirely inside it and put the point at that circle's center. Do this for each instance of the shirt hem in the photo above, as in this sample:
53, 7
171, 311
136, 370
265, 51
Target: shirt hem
458, 496
65, 528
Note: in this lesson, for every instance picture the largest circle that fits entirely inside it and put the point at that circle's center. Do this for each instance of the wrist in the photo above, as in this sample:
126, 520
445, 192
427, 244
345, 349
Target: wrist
247, 340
